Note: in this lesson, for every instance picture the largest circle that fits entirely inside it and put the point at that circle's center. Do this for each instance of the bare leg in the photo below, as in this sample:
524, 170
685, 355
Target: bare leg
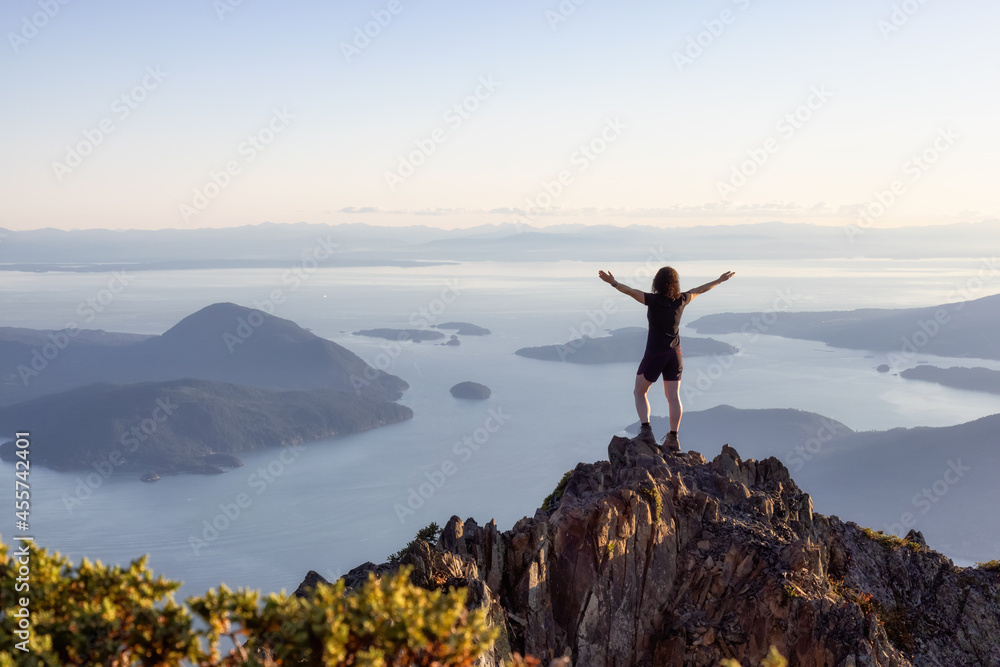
673, 392
642, 385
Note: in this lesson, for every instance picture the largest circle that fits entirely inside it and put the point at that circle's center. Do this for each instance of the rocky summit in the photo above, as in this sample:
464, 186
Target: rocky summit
649, 560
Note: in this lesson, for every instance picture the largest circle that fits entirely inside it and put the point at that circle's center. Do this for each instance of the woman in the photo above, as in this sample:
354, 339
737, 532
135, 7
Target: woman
664, 306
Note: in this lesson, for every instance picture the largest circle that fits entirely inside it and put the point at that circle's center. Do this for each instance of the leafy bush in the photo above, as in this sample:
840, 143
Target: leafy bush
554, 497
772, 659
92, 614
867, 603
989, 566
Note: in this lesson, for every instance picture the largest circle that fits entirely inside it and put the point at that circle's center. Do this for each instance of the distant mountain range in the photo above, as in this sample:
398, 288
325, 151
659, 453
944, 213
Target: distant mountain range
270, 244
961, 329
241, 379
626, 344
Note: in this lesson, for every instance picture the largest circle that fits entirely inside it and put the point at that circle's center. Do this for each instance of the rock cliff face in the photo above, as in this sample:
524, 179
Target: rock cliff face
646, 560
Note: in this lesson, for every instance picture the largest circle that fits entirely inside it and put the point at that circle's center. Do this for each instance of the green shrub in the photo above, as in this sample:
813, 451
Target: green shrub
989, 566
553, 497
92, 614
890, 542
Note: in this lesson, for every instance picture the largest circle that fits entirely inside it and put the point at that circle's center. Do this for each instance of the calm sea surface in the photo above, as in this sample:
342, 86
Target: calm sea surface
338, 503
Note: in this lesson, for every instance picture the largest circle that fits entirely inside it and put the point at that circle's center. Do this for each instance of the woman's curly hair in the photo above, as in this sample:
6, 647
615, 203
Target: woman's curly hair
667, 282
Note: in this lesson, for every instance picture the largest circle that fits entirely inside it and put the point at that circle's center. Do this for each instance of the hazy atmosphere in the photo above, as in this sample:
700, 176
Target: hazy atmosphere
282, 284
122, 112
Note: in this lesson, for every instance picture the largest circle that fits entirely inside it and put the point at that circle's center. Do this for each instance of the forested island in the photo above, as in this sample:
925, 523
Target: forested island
958, 377
622, 345
224, 380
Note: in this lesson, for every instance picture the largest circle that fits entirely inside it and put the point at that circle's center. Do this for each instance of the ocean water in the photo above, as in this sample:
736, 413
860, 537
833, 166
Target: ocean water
331, 505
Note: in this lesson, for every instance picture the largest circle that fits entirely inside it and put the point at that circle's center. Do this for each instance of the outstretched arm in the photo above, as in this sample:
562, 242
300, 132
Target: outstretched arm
621, 287
707, 286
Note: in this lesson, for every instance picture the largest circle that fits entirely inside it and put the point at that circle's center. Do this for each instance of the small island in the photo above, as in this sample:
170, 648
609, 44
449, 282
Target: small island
464, 328
416, 335
883, 368
452, 341
623, 345
471, 390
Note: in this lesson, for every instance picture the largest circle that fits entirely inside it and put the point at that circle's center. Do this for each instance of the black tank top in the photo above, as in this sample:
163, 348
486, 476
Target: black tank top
664, 317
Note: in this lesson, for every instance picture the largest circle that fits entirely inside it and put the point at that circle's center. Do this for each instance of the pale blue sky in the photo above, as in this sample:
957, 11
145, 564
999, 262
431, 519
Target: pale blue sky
684, 129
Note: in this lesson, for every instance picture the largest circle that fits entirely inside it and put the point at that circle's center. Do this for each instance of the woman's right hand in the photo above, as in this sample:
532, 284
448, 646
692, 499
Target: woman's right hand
607, 277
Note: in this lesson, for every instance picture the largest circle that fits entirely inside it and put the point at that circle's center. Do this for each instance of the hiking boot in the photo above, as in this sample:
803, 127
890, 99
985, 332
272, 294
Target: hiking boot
670, 444
646, 435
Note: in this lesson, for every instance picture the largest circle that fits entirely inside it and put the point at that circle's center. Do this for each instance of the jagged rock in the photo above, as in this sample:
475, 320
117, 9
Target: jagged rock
646, 560
359, 575
452, 536
433, 568
312, 579
917, 537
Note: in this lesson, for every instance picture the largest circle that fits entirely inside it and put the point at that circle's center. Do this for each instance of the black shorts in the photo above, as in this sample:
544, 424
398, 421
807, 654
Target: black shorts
668, 362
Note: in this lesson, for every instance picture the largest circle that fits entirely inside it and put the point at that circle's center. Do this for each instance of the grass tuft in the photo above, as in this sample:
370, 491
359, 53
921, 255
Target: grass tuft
553, 498
652, 494
890, 542
989, 566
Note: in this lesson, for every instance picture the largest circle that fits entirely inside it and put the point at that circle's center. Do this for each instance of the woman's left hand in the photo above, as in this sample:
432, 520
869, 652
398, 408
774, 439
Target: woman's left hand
607, 277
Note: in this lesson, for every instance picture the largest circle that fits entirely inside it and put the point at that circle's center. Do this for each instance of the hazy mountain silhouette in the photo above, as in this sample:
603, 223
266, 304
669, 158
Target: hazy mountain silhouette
269, 244
972, 379
223, 342
962, 329
941, 476
174, 426
760, 433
